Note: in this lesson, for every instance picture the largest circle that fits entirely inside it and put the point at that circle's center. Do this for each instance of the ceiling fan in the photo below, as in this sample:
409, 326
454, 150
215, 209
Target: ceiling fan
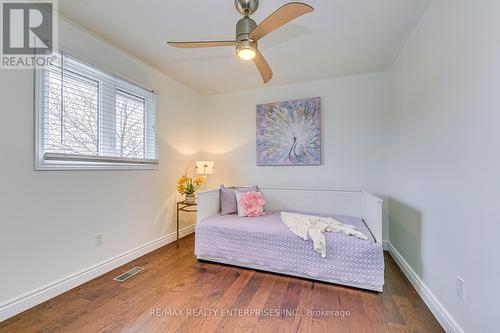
248, 33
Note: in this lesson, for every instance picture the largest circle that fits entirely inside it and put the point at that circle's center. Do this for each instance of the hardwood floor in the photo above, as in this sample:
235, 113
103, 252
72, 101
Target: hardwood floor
165, 296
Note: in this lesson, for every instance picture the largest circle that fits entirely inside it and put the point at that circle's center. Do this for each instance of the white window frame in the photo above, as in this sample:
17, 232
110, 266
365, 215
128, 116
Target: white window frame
53, 161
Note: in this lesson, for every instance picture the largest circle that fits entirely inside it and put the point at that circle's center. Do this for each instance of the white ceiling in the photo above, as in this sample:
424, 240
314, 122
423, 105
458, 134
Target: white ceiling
340, 38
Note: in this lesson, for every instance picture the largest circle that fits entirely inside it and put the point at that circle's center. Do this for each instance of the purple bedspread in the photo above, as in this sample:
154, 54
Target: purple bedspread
267, 242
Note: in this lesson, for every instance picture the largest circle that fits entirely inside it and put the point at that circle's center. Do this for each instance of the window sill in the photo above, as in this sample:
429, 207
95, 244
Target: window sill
43, 165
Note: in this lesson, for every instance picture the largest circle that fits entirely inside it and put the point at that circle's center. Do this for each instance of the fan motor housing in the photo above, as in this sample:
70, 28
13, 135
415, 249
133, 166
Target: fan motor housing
243, 28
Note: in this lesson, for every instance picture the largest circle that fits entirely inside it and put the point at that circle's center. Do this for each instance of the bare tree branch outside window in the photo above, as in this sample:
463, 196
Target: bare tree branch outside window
72, 115
129, 125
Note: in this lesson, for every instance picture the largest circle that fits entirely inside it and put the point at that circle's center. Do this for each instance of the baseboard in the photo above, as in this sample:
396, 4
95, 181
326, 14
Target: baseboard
42, 294
385, 245
438, 310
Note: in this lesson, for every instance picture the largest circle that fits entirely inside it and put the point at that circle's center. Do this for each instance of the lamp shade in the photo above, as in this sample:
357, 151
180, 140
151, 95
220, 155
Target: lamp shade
205, 167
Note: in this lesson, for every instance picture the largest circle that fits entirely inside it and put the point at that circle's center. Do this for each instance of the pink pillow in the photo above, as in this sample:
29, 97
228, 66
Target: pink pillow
228, 201
252, 203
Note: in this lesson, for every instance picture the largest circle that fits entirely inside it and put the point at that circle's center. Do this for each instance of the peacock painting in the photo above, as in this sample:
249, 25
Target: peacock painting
289, 133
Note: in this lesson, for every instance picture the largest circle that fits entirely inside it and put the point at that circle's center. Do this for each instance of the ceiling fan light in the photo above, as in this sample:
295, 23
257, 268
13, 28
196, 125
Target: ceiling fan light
246, 49
246, 54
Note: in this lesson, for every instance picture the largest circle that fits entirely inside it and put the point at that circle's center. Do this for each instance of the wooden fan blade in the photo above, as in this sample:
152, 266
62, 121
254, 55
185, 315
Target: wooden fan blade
263, 67
280, 17
192, 45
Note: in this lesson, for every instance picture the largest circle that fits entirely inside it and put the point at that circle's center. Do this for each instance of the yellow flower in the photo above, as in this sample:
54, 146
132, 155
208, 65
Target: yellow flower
198, 181
183, 180
181, 189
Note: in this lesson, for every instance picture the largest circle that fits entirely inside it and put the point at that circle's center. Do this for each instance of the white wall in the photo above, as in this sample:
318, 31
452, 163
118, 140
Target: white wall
48, 219
354, 125
444, 157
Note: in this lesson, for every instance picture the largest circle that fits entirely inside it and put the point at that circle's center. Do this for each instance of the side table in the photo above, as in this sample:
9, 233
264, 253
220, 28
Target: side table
182, 206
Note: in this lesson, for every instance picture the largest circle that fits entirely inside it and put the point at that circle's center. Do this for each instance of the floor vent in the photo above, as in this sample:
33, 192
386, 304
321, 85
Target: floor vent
128, 274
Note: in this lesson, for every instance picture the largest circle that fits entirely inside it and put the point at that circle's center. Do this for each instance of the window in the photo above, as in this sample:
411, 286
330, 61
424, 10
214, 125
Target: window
88, 118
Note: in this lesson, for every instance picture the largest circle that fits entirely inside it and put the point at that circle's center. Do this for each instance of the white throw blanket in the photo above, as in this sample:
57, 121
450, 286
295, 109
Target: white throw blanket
306, 226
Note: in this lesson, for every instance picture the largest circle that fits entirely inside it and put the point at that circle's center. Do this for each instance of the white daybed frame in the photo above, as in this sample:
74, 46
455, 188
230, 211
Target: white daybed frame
357, 203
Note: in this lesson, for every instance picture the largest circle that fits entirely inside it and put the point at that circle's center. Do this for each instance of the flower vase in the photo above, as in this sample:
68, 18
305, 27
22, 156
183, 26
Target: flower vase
190, 199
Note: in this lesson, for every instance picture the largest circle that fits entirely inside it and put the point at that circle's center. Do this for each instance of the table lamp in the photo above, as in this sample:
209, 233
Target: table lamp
205, 168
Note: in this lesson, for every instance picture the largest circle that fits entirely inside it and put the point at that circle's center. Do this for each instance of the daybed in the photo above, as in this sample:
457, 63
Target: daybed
265, 243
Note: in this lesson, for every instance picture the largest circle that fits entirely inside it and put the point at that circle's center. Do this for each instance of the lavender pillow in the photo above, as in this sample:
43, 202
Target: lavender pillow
228, 202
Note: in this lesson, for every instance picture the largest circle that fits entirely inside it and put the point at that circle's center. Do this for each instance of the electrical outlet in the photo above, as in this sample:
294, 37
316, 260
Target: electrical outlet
460, 288
98, 239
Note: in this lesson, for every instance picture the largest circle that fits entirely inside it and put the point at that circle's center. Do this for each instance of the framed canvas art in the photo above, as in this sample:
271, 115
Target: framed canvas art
289, 133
